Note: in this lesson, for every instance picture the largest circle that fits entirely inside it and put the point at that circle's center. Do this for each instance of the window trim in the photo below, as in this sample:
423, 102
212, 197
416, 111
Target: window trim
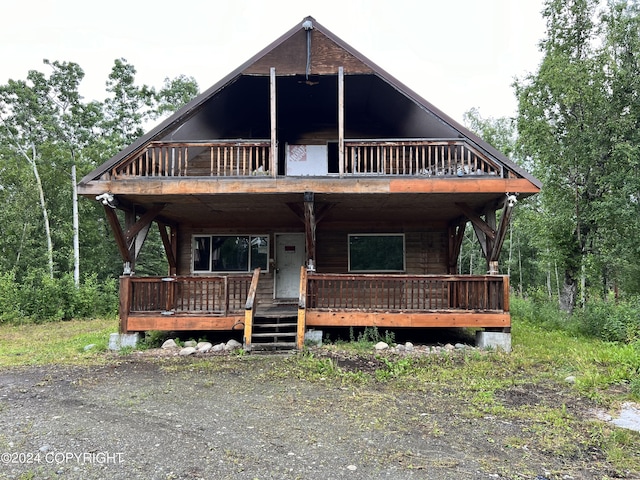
404, 252
230, 272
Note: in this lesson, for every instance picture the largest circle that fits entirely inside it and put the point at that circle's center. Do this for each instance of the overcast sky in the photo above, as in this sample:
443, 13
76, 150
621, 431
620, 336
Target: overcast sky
458, 54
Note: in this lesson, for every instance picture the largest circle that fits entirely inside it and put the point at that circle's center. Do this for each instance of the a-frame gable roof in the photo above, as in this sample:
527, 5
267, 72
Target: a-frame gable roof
325, 45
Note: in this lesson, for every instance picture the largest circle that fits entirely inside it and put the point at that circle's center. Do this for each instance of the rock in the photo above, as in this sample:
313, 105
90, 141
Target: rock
353, 468
381, 346
408, 346
232, 345
218, 348
400, 348
91, 346
203, 347
460, 346
44, 448
171, 343
570, 379
449, 347
186, 351
190, 343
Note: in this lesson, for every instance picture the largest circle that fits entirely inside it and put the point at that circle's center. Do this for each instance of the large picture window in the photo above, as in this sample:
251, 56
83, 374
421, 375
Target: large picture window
376, 253
230, 253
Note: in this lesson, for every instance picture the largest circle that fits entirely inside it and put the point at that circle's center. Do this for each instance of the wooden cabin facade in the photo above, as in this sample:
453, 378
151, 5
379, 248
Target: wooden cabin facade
309, 189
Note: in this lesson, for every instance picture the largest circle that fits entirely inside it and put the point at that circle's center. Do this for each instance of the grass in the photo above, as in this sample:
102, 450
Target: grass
483, 384
56, 343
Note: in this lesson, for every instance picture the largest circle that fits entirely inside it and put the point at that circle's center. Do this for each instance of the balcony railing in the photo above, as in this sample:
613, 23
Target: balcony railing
198, 159
241, 158
453, 158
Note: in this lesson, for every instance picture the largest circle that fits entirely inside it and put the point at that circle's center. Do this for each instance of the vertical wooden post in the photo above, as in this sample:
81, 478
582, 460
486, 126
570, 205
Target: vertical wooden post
341, 121
302, 309
310, 227
505, 290
129, 221
273, 157
174, 248
125, 302
250, 309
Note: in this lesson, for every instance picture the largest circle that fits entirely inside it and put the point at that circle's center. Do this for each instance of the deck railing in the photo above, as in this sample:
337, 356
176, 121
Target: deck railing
243, 158
395, 293
228, 295
198, 159
219, 296
426, 157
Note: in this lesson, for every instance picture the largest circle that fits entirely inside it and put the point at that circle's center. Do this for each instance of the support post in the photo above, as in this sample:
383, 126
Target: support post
125, 302
341, 121
302, 309
310, 228
273, 154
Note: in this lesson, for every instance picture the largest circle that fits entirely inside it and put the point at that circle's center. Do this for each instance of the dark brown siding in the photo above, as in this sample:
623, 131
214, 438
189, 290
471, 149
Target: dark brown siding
290, 58
425, 251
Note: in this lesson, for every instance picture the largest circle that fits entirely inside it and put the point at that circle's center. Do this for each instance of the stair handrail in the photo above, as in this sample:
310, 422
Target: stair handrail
250, 308
302, 308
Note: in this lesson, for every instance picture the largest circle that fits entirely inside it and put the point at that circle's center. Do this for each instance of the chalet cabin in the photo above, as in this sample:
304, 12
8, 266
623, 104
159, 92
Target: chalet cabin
309, 189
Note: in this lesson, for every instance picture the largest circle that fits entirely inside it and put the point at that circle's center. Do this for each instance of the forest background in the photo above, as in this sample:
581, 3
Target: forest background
572, 251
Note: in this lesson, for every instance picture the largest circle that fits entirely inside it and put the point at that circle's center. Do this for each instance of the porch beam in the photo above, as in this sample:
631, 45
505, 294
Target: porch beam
505, 219
143, 222
477, 220
315, 318
456, 236
382, 184
168, 248
118, 234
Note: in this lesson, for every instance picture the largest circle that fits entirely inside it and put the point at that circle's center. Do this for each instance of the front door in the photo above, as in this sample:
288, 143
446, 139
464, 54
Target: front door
290, 256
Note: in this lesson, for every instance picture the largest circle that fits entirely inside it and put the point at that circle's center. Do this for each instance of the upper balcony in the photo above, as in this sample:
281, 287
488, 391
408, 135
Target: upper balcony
256, 158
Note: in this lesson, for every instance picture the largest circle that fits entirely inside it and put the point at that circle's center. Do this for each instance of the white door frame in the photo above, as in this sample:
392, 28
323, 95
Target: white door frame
278, 261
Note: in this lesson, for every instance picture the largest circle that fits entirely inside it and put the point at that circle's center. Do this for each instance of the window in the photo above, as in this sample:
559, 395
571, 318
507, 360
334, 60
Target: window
229, 253
376, 253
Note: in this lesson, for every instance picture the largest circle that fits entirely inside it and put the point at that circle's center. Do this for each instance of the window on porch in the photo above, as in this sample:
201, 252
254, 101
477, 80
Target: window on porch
376, 253
230, 253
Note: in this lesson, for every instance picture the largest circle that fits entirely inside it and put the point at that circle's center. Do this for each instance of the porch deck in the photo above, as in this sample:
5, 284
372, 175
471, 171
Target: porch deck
326, 300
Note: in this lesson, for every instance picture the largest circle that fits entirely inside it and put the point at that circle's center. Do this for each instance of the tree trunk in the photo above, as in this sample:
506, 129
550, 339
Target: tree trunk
76, 229
43, 206
568, 293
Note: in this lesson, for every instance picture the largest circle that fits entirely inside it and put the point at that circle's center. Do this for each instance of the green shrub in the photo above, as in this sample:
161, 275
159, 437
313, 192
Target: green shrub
608, 320
10, 311
613, 321
38, 298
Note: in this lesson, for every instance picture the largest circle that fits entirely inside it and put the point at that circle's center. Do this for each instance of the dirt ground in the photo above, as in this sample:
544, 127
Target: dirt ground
243, 418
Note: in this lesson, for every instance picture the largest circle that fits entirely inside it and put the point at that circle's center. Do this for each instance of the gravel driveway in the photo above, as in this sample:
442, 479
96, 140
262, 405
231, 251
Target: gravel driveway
243, 418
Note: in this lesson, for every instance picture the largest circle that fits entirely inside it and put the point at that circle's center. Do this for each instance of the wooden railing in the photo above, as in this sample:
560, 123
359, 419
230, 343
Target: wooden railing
219, 296
395, 293
416, 157
250, 309
243, 158
198, 159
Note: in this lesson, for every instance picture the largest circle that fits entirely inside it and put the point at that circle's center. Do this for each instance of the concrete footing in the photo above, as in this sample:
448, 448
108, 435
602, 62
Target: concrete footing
493, 340
313, 337
119, 340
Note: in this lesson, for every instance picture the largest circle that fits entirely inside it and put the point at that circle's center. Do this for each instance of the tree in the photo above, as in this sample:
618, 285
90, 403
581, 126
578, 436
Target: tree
48, 135
569, 126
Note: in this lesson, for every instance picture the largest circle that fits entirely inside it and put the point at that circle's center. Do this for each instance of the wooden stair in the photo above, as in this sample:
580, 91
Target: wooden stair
274, 333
